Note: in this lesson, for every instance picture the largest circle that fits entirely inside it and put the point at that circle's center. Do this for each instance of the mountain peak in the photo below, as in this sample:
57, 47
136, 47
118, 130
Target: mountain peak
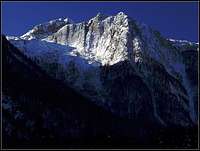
99, 17
45, 29
68, 20
121, 14
99, 14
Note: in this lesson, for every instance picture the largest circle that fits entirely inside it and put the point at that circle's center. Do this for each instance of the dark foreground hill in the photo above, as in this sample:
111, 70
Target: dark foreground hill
41, 112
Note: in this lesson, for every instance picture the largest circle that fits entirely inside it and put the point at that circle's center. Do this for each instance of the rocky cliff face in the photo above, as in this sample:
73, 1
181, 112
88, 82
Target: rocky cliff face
43, 30
124, 66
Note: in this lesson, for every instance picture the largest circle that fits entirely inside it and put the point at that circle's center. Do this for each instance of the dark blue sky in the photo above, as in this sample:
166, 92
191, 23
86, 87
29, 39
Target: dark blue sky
174, 20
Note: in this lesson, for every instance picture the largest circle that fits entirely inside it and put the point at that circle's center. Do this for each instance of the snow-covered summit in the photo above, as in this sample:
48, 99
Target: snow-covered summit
184, 44
182, 41
45, 29
98, 17
108, 39
12, 38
